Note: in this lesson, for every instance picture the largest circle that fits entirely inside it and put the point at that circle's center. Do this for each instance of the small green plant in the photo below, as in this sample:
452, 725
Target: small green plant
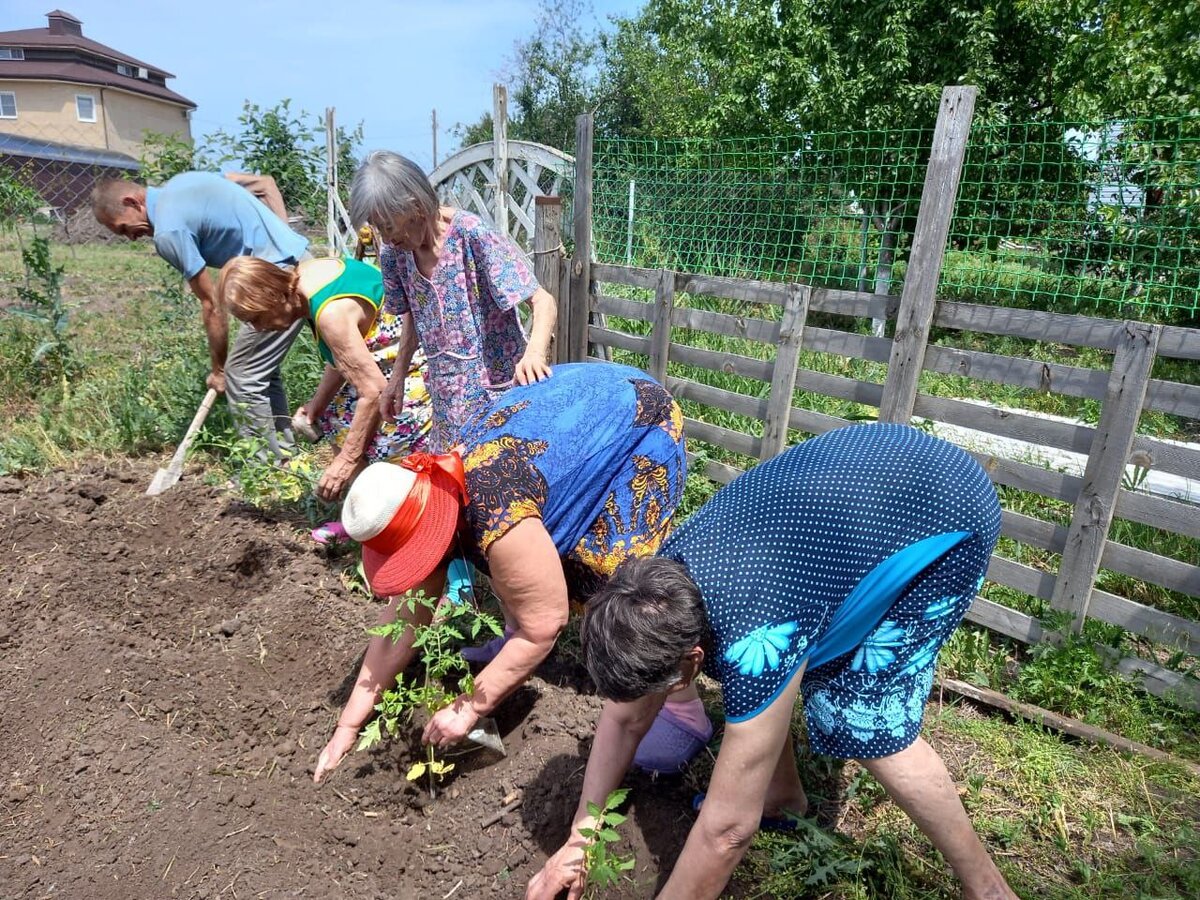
438, 643
54, 358
605, 868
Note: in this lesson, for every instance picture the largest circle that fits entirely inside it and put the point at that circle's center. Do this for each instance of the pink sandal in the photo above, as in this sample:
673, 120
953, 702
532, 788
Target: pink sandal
329, 533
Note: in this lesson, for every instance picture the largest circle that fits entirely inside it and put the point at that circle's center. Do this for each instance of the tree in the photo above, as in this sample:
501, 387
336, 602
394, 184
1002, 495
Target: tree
552, 79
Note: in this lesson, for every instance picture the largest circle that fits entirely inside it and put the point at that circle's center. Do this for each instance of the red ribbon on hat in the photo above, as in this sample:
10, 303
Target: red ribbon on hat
407, 520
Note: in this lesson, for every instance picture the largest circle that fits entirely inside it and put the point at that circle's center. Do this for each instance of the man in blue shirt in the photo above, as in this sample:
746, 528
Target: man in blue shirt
199, 220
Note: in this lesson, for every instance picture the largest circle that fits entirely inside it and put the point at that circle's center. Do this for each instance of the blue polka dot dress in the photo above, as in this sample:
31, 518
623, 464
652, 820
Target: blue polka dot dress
858, 551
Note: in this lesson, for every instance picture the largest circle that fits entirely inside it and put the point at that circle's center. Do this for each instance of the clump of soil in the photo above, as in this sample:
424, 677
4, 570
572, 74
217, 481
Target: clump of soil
170, 668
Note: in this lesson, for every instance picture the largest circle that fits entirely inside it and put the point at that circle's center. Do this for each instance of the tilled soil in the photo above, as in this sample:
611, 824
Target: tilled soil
169, 669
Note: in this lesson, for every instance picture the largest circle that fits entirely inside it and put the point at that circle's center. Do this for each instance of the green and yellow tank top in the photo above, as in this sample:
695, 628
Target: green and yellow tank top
358, 280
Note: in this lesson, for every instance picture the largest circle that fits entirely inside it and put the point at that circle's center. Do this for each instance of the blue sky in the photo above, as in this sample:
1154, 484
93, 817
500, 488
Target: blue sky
388, 64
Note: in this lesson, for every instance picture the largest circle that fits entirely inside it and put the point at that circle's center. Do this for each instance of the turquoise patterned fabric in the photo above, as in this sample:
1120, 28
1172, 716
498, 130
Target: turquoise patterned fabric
859, 552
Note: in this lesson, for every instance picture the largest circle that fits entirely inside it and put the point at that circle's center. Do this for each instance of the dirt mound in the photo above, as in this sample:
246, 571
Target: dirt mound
171, 667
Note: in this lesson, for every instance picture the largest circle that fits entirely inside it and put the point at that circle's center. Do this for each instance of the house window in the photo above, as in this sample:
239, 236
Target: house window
123, 69
85, 107
8, 105
12, 53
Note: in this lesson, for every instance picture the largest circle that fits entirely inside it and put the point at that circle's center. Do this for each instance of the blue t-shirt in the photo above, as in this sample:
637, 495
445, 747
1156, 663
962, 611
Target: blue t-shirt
204, 219
595, 452
804, 555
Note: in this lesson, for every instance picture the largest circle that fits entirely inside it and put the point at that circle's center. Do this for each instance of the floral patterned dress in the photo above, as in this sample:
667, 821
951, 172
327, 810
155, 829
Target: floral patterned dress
595, 453
857, 552
465, 317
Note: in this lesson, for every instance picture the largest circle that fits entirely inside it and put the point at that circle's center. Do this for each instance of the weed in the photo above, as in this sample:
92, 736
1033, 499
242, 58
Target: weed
450, 624
54, 358
605, 868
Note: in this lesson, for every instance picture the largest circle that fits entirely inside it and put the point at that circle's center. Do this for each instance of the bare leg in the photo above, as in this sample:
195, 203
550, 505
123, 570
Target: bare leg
785, 793
916, 778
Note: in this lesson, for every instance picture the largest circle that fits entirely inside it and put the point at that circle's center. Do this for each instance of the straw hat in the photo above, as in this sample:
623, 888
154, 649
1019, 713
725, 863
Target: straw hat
405, 515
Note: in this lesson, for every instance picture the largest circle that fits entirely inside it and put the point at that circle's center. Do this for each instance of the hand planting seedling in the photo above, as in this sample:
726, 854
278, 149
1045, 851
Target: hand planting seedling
604, 869
438, 642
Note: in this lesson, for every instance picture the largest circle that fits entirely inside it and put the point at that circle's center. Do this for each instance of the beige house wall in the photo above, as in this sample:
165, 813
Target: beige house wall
46, 110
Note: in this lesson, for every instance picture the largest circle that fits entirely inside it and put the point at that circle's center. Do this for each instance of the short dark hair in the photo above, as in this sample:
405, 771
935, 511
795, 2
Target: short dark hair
638, 626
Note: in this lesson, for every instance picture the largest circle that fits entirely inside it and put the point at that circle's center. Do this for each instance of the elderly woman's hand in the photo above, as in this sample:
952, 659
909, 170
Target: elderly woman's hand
452, 724
344, 737
337, 477
531, 367
563, 870
391, 399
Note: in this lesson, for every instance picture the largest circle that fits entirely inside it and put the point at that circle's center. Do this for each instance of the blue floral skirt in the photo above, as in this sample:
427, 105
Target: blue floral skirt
869, 702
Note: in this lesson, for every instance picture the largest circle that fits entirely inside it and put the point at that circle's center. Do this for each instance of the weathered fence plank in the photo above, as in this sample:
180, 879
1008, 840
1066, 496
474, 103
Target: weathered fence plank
1172, 630
660, 336
547, 263
772, 292
1001, 619
736, 441
729, 363
1006, 423
917, 299
638, 310
1110, 448
500, 155
606, 337
747, 327
630, 276
1159, 512
1026, 579
783, 373
581, 264
718, 472
683, 389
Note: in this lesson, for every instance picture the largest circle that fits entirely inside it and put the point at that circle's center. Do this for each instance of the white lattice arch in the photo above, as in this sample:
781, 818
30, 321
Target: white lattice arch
467, 180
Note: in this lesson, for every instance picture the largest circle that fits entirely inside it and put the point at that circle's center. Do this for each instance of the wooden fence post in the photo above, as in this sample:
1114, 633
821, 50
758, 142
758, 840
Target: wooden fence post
331, 223
500, 155
547, 262
783, 373
581, 266
918, 297
1111, 445
660, 337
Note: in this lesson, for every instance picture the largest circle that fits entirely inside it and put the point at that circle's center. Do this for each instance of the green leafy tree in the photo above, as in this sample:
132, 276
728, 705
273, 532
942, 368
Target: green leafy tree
552, 78
290, 147
164, 156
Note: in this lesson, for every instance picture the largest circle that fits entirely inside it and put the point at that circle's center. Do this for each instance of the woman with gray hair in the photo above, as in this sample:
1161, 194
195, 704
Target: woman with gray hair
456, 284
835, 571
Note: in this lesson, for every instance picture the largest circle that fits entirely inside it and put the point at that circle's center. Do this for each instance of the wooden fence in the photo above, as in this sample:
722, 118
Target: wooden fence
777, 317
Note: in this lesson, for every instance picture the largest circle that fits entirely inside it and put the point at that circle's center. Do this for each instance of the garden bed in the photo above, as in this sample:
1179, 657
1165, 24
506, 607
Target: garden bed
171, 668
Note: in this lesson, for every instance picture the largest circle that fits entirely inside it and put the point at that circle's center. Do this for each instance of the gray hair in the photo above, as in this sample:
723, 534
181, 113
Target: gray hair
638, 627
108, 197
387, 185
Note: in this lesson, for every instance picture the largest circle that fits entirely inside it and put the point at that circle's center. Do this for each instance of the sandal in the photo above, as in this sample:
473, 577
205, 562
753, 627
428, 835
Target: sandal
329, 533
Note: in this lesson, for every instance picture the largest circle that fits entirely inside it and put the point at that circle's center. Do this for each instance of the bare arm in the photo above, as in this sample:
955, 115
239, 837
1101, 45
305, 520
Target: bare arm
618, 733
331, 382
527, 575
264, 188
216, 326
734, 804
343, 322
534, 364
391, 401
384, 660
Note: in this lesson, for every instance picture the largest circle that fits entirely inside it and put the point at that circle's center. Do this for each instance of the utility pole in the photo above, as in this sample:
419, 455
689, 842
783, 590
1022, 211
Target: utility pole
434, 123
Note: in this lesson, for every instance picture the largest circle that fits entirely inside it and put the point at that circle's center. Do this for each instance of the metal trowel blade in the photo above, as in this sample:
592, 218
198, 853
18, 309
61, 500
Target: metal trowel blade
486, 734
